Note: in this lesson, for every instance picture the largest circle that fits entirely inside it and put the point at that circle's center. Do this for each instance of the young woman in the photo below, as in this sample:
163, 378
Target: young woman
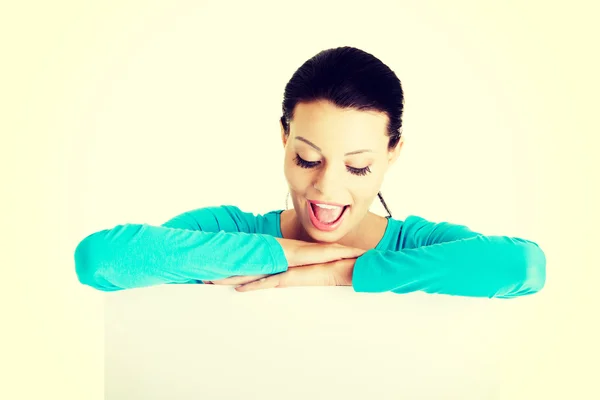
341, 131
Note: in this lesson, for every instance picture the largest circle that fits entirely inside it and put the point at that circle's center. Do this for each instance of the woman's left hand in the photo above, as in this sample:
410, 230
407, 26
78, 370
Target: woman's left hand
334, 273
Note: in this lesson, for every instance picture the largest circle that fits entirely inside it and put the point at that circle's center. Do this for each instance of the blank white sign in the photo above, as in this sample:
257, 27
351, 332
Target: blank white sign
210, 342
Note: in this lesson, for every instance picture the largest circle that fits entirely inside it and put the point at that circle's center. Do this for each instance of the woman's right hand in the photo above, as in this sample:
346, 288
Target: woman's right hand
298, 252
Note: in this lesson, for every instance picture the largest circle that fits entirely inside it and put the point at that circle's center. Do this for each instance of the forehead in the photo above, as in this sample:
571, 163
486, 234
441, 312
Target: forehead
322, 120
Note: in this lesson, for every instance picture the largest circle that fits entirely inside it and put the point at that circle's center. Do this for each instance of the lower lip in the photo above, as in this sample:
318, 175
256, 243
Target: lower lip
325, 227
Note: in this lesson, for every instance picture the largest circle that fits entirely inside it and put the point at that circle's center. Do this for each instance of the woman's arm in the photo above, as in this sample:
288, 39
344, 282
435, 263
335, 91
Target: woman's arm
138, 255
451, 259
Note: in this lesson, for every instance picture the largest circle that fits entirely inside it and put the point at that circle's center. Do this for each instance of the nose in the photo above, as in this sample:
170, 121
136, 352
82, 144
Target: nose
326, 180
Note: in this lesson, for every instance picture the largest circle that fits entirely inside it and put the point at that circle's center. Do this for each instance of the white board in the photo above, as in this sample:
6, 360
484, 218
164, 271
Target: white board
210, 342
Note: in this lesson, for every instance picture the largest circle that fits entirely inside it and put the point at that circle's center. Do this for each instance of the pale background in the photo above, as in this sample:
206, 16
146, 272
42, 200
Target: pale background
134, 111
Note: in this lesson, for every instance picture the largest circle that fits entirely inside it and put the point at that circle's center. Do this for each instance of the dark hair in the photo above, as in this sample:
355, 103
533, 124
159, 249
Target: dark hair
349, 78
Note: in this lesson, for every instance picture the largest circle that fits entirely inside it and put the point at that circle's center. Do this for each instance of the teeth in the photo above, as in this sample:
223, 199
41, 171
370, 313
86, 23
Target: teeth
327, 206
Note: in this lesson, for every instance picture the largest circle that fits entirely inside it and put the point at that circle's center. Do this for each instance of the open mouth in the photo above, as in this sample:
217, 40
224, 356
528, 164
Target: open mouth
318, 211
326, 217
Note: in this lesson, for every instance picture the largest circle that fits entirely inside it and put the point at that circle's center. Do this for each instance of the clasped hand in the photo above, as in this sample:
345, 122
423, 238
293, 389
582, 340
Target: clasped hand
309, 264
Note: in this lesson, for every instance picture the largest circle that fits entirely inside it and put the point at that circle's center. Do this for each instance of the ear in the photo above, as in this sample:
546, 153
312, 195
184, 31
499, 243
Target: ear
283, 137
395, 152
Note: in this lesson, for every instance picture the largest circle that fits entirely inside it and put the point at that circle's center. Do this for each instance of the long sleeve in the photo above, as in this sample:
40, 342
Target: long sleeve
451, 259
138, 255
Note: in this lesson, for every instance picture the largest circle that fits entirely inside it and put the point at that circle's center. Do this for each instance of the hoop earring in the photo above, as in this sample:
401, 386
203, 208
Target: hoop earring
286, 200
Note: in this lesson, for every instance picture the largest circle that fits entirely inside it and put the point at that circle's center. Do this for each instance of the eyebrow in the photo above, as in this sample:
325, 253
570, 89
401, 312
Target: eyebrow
314, 146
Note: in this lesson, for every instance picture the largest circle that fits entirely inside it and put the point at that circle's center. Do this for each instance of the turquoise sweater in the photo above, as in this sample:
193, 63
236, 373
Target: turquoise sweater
217, 242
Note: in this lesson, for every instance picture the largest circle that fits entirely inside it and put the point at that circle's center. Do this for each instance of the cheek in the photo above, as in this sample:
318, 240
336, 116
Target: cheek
364, 189
298, 179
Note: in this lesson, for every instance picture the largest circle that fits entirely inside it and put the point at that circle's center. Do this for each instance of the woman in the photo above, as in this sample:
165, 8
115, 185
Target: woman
341, 132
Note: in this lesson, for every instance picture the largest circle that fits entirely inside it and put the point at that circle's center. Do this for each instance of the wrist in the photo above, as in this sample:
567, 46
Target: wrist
344, 272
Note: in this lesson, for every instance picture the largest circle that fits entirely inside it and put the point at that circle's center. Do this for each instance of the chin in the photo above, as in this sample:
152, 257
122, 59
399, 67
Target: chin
324, 237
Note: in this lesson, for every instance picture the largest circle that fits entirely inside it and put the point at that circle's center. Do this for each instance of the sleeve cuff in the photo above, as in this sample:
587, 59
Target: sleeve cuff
278, 261
364, 276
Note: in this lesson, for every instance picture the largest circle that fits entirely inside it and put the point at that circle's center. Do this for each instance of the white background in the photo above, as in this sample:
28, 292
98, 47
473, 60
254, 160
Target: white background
134, 111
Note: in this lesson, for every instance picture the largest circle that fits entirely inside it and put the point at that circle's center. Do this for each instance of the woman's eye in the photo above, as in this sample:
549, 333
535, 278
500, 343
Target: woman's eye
305, 164
359, 171
311, 164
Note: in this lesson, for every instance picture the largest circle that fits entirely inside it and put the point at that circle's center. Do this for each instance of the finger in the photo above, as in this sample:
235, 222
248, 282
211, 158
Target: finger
324, 264
263, 283
238, 280
352, 252
312, 275
333, 252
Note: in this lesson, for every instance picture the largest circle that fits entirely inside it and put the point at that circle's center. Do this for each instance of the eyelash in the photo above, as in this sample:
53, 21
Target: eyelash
311, 164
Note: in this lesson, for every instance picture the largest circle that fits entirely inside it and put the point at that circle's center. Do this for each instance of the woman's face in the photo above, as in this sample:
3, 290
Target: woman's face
335, 156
